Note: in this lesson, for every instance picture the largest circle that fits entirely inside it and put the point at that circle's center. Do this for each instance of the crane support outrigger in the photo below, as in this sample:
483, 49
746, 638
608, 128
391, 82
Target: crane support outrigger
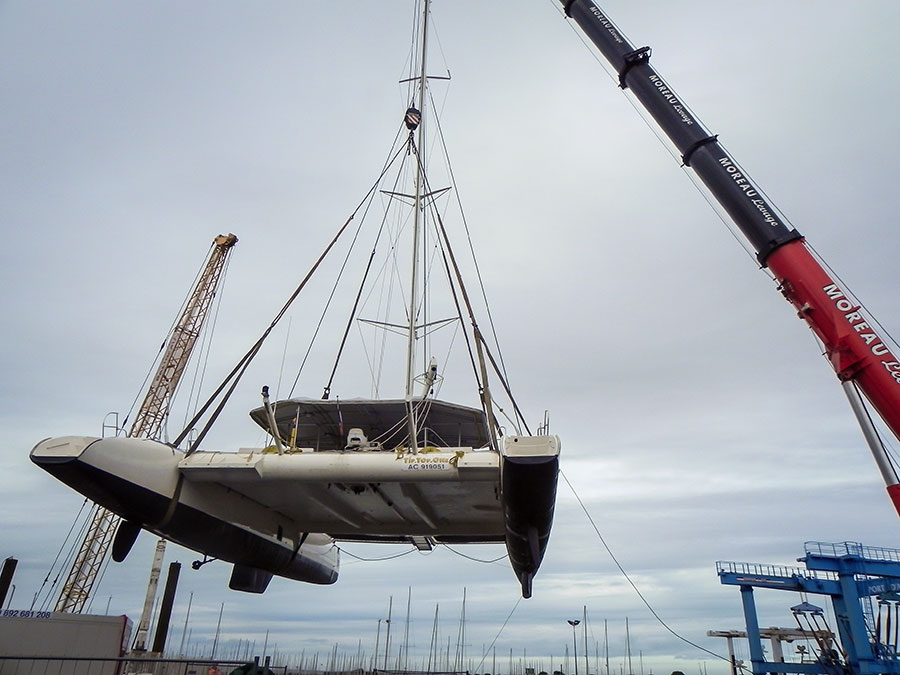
860, 357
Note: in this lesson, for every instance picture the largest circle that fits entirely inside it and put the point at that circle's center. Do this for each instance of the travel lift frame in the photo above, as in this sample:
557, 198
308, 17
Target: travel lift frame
850, 574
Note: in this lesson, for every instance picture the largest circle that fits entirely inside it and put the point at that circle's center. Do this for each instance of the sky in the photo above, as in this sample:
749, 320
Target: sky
699, 421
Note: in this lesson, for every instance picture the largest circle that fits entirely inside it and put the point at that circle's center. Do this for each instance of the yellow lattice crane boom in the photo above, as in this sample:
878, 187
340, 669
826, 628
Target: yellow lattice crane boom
148, 423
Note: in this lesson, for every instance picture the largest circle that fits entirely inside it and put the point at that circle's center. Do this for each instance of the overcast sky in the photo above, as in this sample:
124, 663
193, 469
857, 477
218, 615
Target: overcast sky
699, 421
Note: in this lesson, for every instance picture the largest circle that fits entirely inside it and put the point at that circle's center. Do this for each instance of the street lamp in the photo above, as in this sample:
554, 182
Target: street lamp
573, 623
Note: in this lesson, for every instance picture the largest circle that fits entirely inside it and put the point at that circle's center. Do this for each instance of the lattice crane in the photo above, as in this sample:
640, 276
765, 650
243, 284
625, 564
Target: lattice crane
149, 421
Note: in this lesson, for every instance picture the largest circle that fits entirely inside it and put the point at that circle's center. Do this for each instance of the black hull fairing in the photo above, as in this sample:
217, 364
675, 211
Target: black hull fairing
144, 497
529, 477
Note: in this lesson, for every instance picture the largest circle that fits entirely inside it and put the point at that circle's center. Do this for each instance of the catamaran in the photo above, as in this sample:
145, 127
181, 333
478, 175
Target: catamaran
411, 469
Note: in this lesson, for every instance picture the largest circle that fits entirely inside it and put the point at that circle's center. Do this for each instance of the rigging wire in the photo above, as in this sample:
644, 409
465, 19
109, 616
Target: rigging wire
362, 283
388, 276
465, 223
501, 372
499, 633
287, 339
389, 161
70, 555
99, 581
205, 347
478, 560
628, 578
353, 311
241, 367
389, 273
439, 224
438, 383
389, 557
459, 311
142, 389
369, 360
59, 552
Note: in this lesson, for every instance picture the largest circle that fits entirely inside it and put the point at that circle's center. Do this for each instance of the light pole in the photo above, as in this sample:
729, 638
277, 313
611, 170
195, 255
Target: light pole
573, 623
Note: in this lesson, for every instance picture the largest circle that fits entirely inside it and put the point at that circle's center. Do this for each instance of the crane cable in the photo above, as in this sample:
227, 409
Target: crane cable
629, 580
499, 632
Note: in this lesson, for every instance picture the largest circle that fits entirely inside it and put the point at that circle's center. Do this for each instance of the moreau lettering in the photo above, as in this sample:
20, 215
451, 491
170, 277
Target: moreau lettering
862, 328
607, 24
669, 95
741, 181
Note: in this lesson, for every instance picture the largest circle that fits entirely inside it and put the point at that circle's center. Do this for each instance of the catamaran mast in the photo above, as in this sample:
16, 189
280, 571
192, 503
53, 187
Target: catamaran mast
417, 214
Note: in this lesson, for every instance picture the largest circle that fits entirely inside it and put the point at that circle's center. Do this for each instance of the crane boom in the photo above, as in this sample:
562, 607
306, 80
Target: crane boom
155, 407
148, 423
852, 344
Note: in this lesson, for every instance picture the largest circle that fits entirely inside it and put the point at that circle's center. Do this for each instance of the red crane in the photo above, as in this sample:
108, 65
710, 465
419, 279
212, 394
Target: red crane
859, 355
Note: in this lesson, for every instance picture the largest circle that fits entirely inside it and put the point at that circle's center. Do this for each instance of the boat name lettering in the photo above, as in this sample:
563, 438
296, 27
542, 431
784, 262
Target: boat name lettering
25, 614
669, 95
607, 24
865, 332
427, 463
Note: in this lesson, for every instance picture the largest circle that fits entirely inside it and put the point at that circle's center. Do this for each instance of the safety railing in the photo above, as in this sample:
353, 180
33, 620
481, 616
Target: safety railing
852, 548
763, 569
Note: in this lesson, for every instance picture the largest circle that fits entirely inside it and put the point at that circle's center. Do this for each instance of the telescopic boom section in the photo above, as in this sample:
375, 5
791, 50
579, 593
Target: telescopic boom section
852, 345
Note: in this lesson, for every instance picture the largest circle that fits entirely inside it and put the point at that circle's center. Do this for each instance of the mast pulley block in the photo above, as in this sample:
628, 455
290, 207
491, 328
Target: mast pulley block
412, 118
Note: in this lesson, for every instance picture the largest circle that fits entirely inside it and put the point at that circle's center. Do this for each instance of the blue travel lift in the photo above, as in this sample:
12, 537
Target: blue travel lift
863, 583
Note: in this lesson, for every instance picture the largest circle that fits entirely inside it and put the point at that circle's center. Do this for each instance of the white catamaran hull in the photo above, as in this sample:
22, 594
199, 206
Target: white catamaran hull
260, 510
140, 481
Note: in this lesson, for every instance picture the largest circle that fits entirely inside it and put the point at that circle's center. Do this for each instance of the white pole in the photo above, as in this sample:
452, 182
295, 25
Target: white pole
187, 616
218, 628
